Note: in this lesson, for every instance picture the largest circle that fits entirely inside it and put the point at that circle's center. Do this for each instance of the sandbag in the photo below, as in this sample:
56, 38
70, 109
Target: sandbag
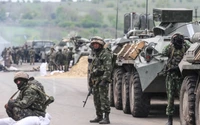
31, 120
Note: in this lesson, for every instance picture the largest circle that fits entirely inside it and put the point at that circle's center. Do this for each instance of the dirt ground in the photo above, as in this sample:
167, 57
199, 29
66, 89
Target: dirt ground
78, 70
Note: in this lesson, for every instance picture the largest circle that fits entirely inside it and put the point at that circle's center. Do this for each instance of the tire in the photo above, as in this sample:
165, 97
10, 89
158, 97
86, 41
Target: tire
117, 88
197, 106
187, 101
125, 93
110, 95
139, 101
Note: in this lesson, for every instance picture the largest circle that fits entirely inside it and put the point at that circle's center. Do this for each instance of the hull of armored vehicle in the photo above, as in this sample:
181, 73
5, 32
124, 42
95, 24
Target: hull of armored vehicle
138, 78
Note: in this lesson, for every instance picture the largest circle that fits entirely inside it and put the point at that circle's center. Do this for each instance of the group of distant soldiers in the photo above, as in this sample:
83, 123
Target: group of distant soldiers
60, 60
57, 60
15, 55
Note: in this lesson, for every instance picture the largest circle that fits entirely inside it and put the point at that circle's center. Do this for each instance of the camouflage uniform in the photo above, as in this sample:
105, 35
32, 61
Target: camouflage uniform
52, 58
60, 59
65, 61
30, 102
32, 56
101, 68
173, 78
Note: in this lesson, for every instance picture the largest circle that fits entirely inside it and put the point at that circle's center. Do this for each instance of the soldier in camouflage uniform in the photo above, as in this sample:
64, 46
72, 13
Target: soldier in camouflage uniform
65, 61
100, 74
52, 58
32, 56
30, 101
60, 59
175, 52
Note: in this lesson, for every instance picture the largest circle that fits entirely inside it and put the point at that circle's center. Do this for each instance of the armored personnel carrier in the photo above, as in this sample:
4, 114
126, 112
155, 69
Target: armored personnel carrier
136, 77
190, 90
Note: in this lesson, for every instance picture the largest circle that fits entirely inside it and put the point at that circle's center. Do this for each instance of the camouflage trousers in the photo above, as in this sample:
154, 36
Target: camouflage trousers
32, 60
173, 85
17, 113
101, 100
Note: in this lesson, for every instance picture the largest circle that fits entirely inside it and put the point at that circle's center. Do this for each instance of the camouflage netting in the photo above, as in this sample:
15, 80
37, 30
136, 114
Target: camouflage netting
78, 70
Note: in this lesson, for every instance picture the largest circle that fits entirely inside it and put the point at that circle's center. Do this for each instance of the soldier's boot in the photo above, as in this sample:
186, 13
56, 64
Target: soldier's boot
105, 120
170, 120
97, 119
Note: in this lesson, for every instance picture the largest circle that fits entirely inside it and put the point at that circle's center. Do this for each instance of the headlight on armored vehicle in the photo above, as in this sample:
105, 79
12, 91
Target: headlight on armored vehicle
195, 37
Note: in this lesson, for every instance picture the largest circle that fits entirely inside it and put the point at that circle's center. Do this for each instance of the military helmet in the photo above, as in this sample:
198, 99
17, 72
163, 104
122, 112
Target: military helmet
52, 48
177, 39
21, 75
97, 39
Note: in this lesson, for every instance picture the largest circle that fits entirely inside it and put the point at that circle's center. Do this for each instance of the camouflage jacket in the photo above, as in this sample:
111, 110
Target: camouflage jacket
101, 66
52, 56
30, 98
174, 55
32, 53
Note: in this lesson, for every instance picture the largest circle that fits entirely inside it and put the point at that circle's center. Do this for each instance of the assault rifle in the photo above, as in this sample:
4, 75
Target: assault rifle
89, 93
163, 72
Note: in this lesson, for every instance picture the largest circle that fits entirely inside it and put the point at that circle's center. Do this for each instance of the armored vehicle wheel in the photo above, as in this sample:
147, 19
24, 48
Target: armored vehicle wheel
117, 88
110, 95
197, 106
187, 101
125, 93
139, 101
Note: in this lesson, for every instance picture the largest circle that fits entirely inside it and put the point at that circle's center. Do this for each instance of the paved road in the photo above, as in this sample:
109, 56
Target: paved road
69, 94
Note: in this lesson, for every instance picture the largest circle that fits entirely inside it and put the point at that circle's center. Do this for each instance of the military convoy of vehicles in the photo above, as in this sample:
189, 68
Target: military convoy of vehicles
38, 46
136, 76
79, 45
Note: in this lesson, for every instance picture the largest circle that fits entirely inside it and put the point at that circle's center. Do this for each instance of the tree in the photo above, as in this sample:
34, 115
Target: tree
2, 15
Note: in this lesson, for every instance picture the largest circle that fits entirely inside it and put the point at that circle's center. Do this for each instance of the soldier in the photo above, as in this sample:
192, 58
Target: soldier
175, 52
65, 61
69, 56
32, 56
52, 57
100, 72
30, 101
59, 59
8, 58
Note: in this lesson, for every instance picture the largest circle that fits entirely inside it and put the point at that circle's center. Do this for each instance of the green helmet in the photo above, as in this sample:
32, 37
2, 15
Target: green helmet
21, 75
97, 39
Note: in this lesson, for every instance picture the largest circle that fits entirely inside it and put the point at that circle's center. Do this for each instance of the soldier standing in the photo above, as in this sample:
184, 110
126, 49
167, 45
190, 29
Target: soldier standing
175, 52
8, 58
69, 56
52, 57
100, 74
32, 56
65, 61
30, 101
59, 59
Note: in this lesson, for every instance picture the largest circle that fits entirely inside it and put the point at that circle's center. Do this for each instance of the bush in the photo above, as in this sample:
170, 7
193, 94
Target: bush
109, 5
33, 23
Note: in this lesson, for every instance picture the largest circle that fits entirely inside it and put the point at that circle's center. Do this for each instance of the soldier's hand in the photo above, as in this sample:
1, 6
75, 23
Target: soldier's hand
103, 83
11, 103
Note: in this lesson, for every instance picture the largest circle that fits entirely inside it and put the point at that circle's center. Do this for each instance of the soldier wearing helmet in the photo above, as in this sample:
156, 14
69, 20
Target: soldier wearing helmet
52, 58
100, 73
175, 52
29, 102
32, 56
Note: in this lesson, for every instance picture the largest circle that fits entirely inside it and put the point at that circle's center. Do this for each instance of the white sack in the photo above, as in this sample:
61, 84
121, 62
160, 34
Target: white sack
43, 69
31, 120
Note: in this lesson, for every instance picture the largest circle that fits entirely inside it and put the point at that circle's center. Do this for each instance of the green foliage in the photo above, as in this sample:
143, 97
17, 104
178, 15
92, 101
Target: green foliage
29, 15
66, 24
2, 15
33, 23
110, 5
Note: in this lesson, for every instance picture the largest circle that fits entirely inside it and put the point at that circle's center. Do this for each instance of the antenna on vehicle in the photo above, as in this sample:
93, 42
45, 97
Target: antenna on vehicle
116, 21
196, 8
147, 25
